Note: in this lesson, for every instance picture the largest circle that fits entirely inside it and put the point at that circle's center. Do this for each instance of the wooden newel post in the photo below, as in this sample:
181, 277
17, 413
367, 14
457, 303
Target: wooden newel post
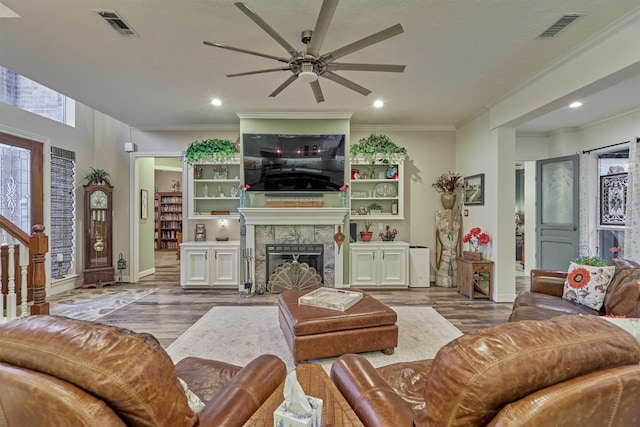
38, 248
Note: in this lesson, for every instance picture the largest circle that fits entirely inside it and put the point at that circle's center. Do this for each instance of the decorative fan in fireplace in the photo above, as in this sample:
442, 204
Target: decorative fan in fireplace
292, 276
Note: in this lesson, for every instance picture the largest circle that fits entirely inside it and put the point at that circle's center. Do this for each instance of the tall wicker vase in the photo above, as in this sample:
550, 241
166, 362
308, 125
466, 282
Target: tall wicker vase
448, 200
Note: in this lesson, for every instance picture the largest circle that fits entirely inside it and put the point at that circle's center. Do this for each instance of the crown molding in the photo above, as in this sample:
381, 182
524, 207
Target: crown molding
295, 115
410, 128
186, 127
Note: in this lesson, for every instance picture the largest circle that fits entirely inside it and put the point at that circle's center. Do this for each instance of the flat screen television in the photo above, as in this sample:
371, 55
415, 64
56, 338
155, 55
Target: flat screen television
293, 163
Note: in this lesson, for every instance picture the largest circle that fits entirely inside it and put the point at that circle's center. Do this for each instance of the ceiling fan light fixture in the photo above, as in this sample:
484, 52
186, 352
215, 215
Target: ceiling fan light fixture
378, 103
307, 74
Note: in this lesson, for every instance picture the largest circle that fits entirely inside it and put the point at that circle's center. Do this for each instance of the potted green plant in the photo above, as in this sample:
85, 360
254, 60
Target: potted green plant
377, 148
96, 175
593, 261
375, 209
366, 234
215, 150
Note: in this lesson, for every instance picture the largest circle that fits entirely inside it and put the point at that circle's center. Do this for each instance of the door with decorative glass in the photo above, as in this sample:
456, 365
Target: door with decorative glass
557, 216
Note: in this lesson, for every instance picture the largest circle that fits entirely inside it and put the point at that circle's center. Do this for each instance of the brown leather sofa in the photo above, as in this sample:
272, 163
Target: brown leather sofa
545, 301
56, 371
568, 371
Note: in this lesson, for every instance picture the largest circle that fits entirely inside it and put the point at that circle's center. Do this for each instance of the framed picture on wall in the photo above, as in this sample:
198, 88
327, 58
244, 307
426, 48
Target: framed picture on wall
474, 190
613, 198
144, 204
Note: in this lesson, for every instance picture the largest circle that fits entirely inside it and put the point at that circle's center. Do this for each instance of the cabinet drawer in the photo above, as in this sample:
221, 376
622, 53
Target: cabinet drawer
482, 268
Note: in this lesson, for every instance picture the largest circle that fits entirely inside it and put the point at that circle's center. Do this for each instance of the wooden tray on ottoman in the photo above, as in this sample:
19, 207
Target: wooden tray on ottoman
331, 298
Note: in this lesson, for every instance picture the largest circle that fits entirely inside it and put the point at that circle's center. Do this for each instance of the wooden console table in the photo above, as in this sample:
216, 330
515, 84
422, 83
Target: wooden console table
475, 278
315, 382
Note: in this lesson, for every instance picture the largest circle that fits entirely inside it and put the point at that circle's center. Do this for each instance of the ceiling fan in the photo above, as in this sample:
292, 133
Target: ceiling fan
308, 64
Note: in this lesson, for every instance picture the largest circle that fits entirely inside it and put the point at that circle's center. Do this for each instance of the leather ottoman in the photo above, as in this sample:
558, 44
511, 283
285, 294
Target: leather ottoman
313, 332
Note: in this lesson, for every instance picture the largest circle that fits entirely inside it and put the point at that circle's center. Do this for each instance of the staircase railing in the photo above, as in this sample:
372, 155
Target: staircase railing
22, 271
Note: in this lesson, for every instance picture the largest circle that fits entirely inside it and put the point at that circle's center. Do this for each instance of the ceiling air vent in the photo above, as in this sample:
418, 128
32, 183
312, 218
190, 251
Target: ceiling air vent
116, 22
559, 25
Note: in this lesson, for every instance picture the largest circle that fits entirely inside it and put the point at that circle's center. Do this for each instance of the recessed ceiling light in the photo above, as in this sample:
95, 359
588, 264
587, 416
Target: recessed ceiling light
378, 104
576, 104
216, 102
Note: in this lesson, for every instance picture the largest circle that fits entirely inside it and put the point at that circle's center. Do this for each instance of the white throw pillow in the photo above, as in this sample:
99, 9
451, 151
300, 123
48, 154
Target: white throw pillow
195, 403
587, 285
631, 325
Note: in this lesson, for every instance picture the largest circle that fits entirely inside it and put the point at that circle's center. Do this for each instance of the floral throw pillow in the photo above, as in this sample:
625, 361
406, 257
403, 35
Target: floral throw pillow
587, 285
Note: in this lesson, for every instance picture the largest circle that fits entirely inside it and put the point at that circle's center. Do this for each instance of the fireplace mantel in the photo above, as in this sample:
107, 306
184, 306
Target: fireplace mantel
293, 216
300, 225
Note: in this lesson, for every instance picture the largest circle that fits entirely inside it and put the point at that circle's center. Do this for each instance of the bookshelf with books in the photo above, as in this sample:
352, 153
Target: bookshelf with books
168, 220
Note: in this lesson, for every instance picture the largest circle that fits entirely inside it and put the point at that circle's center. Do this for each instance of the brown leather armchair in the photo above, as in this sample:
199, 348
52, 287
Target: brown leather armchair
569, 371
57, 371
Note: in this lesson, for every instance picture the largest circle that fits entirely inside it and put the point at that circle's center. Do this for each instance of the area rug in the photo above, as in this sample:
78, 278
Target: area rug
91, 304
238, 334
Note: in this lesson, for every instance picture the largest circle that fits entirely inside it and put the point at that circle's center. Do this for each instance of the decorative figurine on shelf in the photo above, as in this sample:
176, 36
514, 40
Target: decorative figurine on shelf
389, 234
355, 174
392, 172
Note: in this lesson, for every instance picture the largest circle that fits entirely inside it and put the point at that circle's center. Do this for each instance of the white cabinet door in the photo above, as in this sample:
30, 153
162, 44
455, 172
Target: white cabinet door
225, 266
393, 267
195, 268
364, 271
379, 265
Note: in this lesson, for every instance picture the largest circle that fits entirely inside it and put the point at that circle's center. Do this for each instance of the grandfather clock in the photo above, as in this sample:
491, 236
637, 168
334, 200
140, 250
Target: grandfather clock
98, 248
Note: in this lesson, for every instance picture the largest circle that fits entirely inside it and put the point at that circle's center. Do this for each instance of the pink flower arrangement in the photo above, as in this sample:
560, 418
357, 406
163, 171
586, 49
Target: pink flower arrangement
344, 187
616, 251
476, 237
245, 186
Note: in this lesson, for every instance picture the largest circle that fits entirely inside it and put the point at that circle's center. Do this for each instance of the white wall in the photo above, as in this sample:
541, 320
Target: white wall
92, 140
491, 152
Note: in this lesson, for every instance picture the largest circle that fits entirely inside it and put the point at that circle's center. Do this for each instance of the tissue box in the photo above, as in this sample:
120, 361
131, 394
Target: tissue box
284, 418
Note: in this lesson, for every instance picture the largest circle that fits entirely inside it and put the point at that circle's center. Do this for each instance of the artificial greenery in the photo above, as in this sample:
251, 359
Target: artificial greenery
377, 147
367, 226
375, 207
96, 175
593, 261
216, 150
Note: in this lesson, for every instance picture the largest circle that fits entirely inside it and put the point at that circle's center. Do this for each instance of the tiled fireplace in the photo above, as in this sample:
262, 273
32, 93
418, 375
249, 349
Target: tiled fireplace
295, 226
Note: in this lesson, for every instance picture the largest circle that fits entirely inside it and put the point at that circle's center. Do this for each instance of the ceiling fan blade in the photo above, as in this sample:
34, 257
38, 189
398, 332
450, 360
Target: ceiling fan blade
283, 86
317, 91
237, 49
346, 83
322, 25
366, 67
267, 28
365, 42
248, 73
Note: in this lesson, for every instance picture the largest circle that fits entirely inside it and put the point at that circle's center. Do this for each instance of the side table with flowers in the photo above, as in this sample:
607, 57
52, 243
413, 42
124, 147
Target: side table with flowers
476, 239
447, 184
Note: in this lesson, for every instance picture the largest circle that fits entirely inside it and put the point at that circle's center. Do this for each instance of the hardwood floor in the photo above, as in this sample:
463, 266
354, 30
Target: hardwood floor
170, 311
